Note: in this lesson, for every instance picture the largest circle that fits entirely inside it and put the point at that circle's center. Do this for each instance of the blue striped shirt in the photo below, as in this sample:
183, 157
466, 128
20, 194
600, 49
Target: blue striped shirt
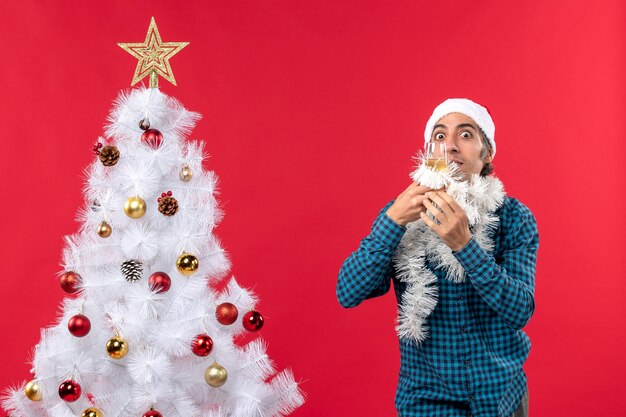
471, 362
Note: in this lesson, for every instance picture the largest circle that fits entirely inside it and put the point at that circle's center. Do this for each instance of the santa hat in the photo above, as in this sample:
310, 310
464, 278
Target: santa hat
475, 111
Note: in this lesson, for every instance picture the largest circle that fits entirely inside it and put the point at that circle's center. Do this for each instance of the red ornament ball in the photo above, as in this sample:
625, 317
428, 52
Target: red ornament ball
152, 138
252, 321
159, 282
70, 281
152, 413
69, 391
79, 325
202, 344
226, 313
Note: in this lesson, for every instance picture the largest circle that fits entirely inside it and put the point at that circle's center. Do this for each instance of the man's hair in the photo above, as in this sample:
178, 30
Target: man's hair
488, 167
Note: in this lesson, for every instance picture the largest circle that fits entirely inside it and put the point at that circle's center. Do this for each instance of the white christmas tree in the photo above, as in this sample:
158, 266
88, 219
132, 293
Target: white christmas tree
145, 332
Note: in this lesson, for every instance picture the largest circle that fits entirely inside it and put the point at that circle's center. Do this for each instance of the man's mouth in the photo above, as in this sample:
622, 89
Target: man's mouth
456, 162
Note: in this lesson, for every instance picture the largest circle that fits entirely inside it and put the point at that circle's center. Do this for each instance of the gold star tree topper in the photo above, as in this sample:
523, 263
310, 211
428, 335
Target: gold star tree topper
153, 55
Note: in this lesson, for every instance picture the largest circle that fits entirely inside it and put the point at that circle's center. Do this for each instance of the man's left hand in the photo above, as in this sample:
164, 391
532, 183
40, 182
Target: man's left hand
453, 227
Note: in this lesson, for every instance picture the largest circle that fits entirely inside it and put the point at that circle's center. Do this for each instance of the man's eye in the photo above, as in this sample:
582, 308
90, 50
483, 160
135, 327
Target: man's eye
439, 135
466, 134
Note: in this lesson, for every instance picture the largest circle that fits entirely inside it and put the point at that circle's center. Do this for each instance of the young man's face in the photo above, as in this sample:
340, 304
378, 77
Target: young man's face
463, 143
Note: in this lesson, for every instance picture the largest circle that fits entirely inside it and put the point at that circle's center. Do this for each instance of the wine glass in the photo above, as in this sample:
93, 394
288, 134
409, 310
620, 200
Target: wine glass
436, 156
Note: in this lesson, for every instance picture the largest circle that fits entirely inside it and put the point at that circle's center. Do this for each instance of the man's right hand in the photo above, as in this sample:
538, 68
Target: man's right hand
408, 205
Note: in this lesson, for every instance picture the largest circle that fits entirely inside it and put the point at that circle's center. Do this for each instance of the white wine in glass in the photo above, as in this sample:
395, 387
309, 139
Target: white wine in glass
436, 156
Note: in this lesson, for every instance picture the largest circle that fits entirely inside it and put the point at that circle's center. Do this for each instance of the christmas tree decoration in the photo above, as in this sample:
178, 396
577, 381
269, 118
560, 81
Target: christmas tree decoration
215, 375
152, 413
187, 264
154, 56
159, 282
70, 281
185, 173
252, 321
135, 344
109, 155
95, 206
167, 204
79, 325
135, 207
226, 313
152, 138
92, 412
202, 345
96, 148
33, 391
69, 391
104, 230
132, 270
144, 124
117, 347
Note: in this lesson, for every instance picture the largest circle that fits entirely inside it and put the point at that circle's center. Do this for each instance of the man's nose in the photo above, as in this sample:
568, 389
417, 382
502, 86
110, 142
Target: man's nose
451, 145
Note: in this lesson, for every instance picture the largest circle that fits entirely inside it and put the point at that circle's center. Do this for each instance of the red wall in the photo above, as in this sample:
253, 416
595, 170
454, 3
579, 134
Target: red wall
312, 111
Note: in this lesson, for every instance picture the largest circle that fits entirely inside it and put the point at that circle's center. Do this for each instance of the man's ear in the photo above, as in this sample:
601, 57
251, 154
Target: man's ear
489, 157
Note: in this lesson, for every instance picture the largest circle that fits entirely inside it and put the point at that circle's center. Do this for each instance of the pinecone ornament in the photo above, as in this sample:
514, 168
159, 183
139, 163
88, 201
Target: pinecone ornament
132, 270
167, 204
109, 155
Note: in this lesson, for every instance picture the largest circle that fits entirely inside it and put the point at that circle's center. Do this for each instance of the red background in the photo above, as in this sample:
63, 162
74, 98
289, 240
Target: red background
312, 111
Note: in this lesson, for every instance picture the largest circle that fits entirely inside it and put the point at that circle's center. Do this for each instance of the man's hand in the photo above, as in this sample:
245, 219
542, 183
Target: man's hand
454, 226
409, 205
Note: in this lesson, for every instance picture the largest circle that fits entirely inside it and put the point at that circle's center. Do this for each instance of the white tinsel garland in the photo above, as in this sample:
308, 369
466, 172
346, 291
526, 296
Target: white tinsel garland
479, 197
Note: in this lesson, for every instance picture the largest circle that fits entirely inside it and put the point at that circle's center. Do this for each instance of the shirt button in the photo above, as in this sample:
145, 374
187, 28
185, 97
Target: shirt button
461, 298
467, 363
471, 397
464, 329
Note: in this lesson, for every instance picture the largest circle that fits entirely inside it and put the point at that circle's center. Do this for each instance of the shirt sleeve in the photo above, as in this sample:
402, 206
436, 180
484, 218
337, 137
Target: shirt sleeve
367, 272
508, 285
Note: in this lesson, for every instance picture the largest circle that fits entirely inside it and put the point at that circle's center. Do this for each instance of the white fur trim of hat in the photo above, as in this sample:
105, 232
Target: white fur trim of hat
467, 107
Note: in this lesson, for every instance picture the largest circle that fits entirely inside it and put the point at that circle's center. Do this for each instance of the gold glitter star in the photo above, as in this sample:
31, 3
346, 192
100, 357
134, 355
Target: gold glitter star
153, 55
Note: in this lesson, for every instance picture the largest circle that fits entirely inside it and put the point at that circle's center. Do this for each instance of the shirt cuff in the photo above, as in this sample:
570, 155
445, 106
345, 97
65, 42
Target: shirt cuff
388, 231
472, 256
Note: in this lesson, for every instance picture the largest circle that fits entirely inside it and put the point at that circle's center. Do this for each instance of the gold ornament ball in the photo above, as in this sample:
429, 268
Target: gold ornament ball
32, 390
92, 412
117, 347
215, 375
187, 264
135, 207
186, 173
104, 230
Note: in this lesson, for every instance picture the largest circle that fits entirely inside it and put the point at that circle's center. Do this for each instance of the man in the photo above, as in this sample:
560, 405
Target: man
461, 255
